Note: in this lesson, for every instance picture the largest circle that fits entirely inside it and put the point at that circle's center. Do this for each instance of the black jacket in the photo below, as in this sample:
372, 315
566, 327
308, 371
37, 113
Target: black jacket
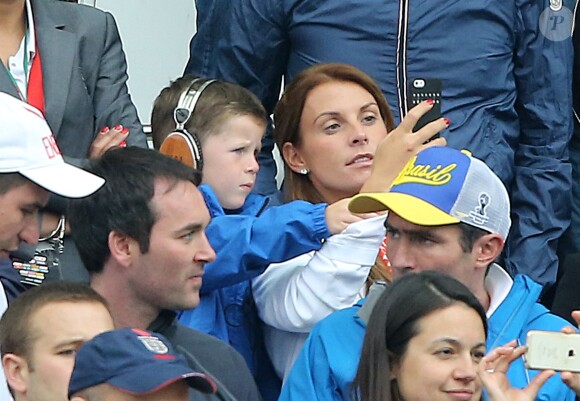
209, 355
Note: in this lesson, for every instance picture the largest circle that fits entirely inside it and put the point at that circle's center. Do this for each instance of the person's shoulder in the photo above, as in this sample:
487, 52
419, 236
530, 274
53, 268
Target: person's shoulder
72, 15
340, 320
539, 317
186, 334
204, 346
542, 319
218, 358
70, 9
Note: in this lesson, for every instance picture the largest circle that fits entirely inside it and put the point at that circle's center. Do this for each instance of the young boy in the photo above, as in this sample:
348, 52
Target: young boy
229, 123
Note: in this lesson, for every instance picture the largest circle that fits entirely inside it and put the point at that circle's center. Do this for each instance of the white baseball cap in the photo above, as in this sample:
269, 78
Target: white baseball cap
28, 147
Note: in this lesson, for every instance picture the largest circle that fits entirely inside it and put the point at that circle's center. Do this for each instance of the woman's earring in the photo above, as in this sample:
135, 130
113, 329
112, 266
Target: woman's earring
303, 171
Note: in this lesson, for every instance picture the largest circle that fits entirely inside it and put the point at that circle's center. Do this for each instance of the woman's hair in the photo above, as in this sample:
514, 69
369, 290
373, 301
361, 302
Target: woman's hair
394, 322
288, 113
219, 101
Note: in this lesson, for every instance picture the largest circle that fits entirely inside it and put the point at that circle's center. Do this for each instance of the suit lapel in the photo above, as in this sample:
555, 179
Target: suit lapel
57, 51
6, 84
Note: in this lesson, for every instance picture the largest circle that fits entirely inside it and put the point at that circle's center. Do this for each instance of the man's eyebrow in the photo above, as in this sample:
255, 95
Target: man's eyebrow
78, 340
34, 205
190, 227
426, 230
403, 230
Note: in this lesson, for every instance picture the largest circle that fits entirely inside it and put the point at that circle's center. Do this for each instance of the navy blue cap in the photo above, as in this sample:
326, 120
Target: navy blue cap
135, 361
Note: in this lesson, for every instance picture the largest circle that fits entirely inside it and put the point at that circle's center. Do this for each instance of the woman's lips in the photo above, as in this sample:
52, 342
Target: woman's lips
363, 159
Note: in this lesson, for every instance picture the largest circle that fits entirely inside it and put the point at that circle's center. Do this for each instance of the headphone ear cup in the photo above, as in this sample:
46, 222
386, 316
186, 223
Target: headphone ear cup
196, 147
183, 146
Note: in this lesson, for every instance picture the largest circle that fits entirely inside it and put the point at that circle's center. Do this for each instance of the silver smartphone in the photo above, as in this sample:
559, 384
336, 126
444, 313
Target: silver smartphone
553, 350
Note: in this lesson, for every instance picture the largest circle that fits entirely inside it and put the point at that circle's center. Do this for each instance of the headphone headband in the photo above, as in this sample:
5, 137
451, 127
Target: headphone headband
187, 102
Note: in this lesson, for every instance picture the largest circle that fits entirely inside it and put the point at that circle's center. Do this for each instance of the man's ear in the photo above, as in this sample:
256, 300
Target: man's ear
16, 372
122, 248
293, 157
488, 248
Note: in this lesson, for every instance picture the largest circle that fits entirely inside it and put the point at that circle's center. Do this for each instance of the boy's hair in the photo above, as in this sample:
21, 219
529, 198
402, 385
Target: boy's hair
16, 336
220, 100
123, 204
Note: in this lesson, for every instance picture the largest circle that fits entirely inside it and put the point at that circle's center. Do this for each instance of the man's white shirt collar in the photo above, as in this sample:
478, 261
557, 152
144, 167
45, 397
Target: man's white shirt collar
498, 284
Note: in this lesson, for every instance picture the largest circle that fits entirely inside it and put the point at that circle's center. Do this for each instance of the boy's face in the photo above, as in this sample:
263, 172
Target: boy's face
230, 164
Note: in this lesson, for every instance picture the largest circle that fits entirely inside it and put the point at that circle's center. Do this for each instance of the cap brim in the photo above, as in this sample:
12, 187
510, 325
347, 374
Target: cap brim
153, 380
201, 382
64, 179
409, 207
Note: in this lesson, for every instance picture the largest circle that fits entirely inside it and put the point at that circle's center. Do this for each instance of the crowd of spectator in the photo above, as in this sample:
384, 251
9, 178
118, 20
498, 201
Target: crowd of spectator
397, 261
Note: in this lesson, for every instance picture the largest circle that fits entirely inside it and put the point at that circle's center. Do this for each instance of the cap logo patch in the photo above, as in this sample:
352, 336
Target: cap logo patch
479, 214
424, 174
154, 344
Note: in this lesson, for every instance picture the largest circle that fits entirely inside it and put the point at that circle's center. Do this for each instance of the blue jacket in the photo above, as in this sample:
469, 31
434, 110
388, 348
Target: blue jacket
246, 242
506, 84
328, 362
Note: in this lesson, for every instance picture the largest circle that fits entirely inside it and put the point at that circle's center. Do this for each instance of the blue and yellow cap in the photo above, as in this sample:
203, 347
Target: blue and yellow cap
441, 186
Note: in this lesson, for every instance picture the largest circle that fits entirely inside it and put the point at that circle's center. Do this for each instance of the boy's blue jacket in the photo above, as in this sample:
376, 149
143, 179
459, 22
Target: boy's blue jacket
329, 360
247, 241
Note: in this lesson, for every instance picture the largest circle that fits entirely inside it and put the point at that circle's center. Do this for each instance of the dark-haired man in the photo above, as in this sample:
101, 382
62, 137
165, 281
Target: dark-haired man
142, 239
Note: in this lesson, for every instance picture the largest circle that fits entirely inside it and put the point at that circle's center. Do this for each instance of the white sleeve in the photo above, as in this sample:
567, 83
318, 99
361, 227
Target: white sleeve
297, 294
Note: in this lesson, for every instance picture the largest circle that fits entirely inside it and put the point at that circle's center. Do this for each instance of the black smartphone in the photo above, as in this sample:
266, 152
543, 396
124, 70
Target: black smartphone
421, 89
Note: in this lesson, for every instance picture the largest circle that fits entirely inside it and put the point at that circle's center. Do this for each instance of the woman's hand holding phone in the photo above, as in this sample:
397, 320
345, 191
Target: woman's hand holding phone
397, 148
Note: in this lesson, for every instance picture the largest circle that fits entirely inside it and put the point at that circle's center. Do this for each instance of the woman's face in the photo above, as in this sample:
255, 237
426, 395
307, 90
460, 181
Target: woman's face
340, 129
440, 363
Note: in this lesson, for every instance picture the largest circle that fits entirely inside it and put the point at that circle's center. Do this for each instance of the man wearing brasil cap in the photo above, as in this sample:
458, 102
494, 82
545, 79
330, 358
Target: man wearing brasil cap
30, 168
448, 212
133, 364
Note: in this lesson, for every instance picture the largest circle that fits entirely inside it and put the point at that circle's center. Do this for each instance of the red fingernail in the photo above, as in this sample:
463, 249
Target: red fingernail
105, 129
125, 131
430, 102
123, 144
447, 122
118, 127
